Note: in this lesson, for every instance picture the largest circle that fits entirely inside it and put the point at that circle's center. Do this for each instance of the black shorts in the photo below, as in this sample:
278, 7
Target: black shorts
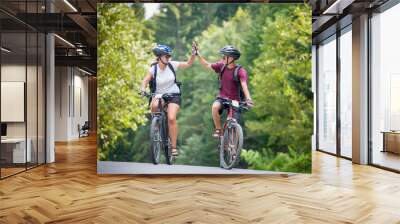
221, 102
224, 106
173, 99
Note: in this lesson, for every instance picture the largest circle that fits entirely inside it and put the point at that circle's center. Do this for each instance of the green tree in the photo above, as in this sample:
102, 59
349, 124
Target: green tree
123, 54
275, 43
179, 23
139, 10
284, 111
200, 89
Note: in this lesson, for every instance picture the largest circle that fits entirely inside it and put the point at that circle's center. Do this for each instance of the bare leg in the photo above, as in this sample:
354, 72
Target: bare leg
173, 109
215, 115
154, 105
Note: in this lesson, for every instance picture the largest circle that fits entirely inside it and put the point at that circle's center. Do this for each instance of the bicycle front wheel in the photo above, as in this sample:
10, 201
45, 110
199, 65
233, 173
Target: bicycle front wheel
156, 141
168, 153
231, 145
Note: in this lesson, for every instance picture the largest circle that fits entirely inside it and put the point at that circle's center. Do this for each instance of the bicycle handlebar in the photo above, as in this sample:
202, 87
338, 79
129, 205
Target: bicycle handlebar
144, 94
165, 95
242, 105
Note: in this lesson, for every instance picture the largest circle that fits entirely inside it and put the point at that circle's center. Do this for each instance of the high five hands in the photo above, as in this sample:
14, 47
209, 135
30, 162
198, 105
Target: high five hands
195, 49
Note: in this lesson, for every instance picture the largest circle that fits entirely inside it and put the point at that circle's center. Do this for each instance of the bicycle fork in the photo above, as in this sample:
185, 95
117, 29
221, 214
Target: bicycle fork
158, 137
166, 134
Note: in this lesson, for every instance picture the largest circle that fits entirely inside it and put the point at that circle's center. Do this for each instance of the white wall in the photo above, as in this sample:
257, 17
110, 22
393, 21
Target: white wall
62, 81
80, 100
71, 87
12, 73
34, 124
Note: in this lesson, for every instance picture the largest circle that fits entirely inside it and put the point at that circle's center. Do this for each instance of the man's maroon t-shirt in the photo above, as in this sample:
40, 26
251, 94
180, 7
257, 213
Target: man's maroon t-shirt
229, 86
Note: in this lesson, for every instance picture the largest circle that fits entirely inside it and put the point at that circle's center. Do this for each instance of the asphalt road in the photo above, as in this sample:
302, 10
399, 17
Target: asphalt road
111, 167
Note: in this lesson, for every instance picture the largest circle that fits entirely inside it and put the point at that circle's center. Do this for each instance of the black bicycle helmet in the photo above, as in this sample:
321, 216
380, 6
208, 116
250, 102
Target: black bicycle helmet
161, 50
231, 51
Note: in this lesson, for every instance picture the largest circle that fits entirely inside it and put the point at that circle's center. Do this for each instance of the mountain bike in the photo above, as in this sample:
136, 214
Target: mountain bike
231, 139
159, 135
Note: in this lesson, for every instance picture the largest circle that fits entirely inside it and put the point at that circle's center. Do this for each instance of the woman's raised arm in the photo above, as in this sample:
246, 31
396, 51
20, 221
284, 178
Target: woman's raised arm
188, 63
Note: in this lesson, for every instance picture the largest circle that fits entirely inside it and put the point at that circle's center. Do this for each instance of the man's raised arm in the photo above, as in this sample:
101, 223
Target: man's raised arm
203, 61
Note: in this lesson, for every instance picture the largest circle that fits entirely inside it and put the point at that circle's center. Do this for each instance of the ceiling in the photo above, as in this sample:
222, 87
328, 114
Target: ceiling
330, 15
73, 21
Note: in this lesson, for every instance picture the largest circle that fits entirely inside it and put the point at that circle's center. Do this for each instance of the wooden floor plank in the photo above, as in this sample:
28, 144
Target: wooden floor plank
70, 191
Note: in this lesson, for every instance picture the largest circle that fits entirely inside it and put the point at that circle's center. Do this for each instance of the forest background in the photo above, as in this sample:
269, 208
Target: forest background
275, 42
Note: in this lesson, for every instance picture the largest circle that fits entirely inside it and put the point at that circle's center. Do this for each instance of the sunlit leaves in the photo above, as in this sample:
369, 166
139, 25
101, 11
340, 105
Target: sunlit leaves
282, 92
123, 57
275, 41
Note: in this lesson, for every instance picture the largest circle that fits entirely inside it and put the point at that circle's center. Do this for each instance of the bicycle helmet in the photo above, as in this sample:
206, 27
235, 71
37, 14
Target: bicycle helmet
231, 51
161, 50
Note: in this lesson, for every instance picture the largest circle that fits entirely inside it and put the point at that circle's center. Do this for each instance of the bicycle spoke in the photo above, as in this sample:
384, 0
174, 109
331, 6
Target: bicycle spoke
227, 147
234, 141
156, 141
232, 146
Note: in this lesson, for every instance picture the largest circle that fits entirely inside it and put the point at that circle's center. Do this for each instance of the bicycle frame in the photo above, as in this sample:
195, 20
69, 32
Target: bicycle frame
231, 114
160, 108
229, 119
163, 114
231, 145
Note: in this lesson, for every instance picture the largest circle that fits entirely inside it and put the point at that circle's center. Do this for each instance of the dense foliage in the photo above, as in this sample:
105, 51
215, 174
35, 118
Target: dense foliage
282, 89
123, 56
276, 49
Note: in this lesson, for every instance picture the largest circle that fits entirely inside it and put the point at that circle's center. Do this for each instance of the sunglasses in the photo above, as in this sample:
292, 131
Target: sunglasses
168, 56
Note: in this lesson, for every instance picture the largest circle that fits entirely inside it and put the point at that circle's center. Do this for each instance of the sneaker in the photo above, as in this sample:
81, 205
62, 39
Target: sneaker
217, 133
174, 152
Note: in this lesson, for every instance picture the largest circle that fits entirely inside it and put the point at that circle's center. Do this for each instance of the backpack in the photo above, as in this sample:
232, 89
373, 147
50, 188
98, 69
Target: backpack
235, 78
153, 82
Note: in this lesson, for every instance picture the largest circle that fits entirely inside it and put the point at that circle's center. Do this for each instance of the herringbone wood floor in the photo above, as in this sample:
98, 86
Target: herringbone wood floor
70, 191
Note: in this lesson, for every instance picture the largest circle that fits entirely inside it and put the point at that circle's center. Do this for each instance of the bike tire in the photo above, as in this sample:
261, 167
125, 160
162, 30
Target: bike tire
156, 140
225, 138
166, 141
168, 153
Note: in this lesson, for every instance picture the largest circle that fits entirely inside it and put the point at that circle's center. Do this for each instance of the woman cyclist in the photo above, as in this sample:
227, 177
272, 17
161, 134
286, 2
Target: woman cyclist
165, 83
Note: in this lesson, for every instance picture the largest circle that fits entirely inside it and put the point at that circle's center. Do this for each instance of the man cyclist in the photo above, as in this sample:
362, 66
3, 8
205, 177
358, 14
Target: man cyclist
165, 83
229, 87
